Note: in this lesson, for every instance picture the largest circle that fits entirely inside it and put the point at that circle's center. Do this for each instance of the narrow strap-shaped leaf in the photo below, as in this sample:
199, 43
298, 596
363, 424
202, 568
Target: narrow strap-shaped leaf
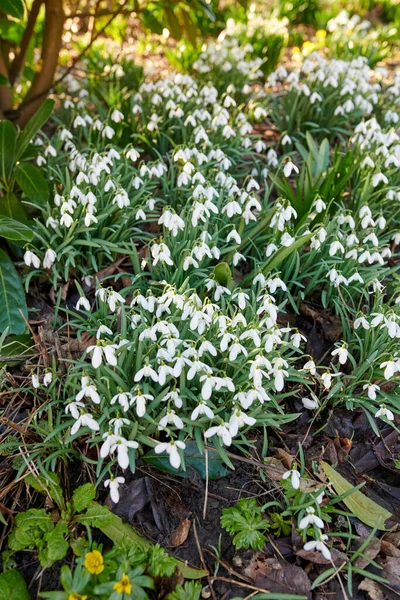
7, 148
33, 126
12, 297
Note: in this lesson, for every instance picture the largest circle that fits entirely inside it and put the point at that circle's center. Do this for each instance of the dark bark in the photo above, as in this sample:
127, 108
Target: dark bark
52, 38
19, 60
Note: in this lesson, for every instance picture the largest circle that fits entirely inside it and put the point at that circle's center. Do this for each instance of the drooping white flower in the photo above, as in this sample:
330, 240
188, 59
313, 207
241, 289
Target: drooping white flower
106, 351
311, 519
114, 483
31, 259
222, 431
295, 478
320, 546
384, 412
172, 449
48, 378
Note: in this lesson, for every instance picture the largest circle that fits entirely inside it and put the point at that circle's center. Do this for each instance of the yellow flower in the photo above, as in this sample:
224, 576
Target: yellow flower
94, 562
295, 50
321, 34
76, 596
123, 586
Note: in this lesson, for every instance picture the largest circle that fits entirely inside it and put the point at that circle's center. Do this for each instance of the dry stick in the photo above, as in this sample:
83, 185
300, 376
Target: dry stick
206, 488
227, 567
75, 60
333, 575
240, 584
203, 563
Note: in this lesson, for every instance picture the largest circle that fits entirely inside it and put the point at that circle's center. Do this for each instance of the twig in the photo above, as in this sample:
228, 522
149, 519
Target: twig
240, 584
206, 488
203, 563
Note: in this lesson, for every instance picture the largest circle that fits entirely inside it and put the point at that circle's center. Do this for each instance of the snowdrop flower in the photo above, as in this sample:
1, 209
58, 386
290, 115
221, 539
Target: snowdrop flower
311, 519
35, 381
379, 178
161, 252
83, 302
123, 398
85, 420
171, 418
342, 353
384, 412
390, 367
116, 116
146, 371
361, 322
106, 351
49, 258
311, 367
107, 132
201, 409
31, 259
286, 140
320, 546
88, 390
288, 168
371, 388
113, 483
239, 419
48, 378
295, 478
310, 403
222, 431
172, 449
122, 446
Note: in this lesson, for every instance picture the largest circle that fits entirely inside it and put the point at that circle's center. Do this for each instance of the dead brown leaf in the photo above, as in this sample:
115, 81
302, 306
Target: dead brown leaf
316, 557
275, 576
391, 571
371, 551
180, 534
372, 589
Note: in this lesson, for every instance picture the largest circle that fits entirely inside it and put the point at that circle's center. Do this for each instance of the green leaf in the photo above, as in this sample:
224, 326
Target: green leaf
190, 591
47, 483
10, 229
7, 149
12, 297
15, 8
57, 545
120, 532
17, 346
193, 459
10, 206
280, 255
34, 517
13, 586
83, 496
95, 516
223, 273
173, 23
33, 126
32, 183
365, 509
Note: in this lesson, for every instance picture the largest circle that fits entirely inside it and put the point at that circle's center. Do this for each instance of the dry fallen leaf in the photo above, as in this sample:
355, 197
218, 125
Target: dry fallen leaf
316, 557
180, 534
371, 551
372, 589
274, 576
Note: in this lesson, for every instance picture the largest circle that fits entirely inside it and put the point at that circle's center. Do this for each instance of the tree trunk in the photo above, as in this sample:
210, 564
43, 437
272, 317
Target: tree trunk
19, 60
52, 39
5, 91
